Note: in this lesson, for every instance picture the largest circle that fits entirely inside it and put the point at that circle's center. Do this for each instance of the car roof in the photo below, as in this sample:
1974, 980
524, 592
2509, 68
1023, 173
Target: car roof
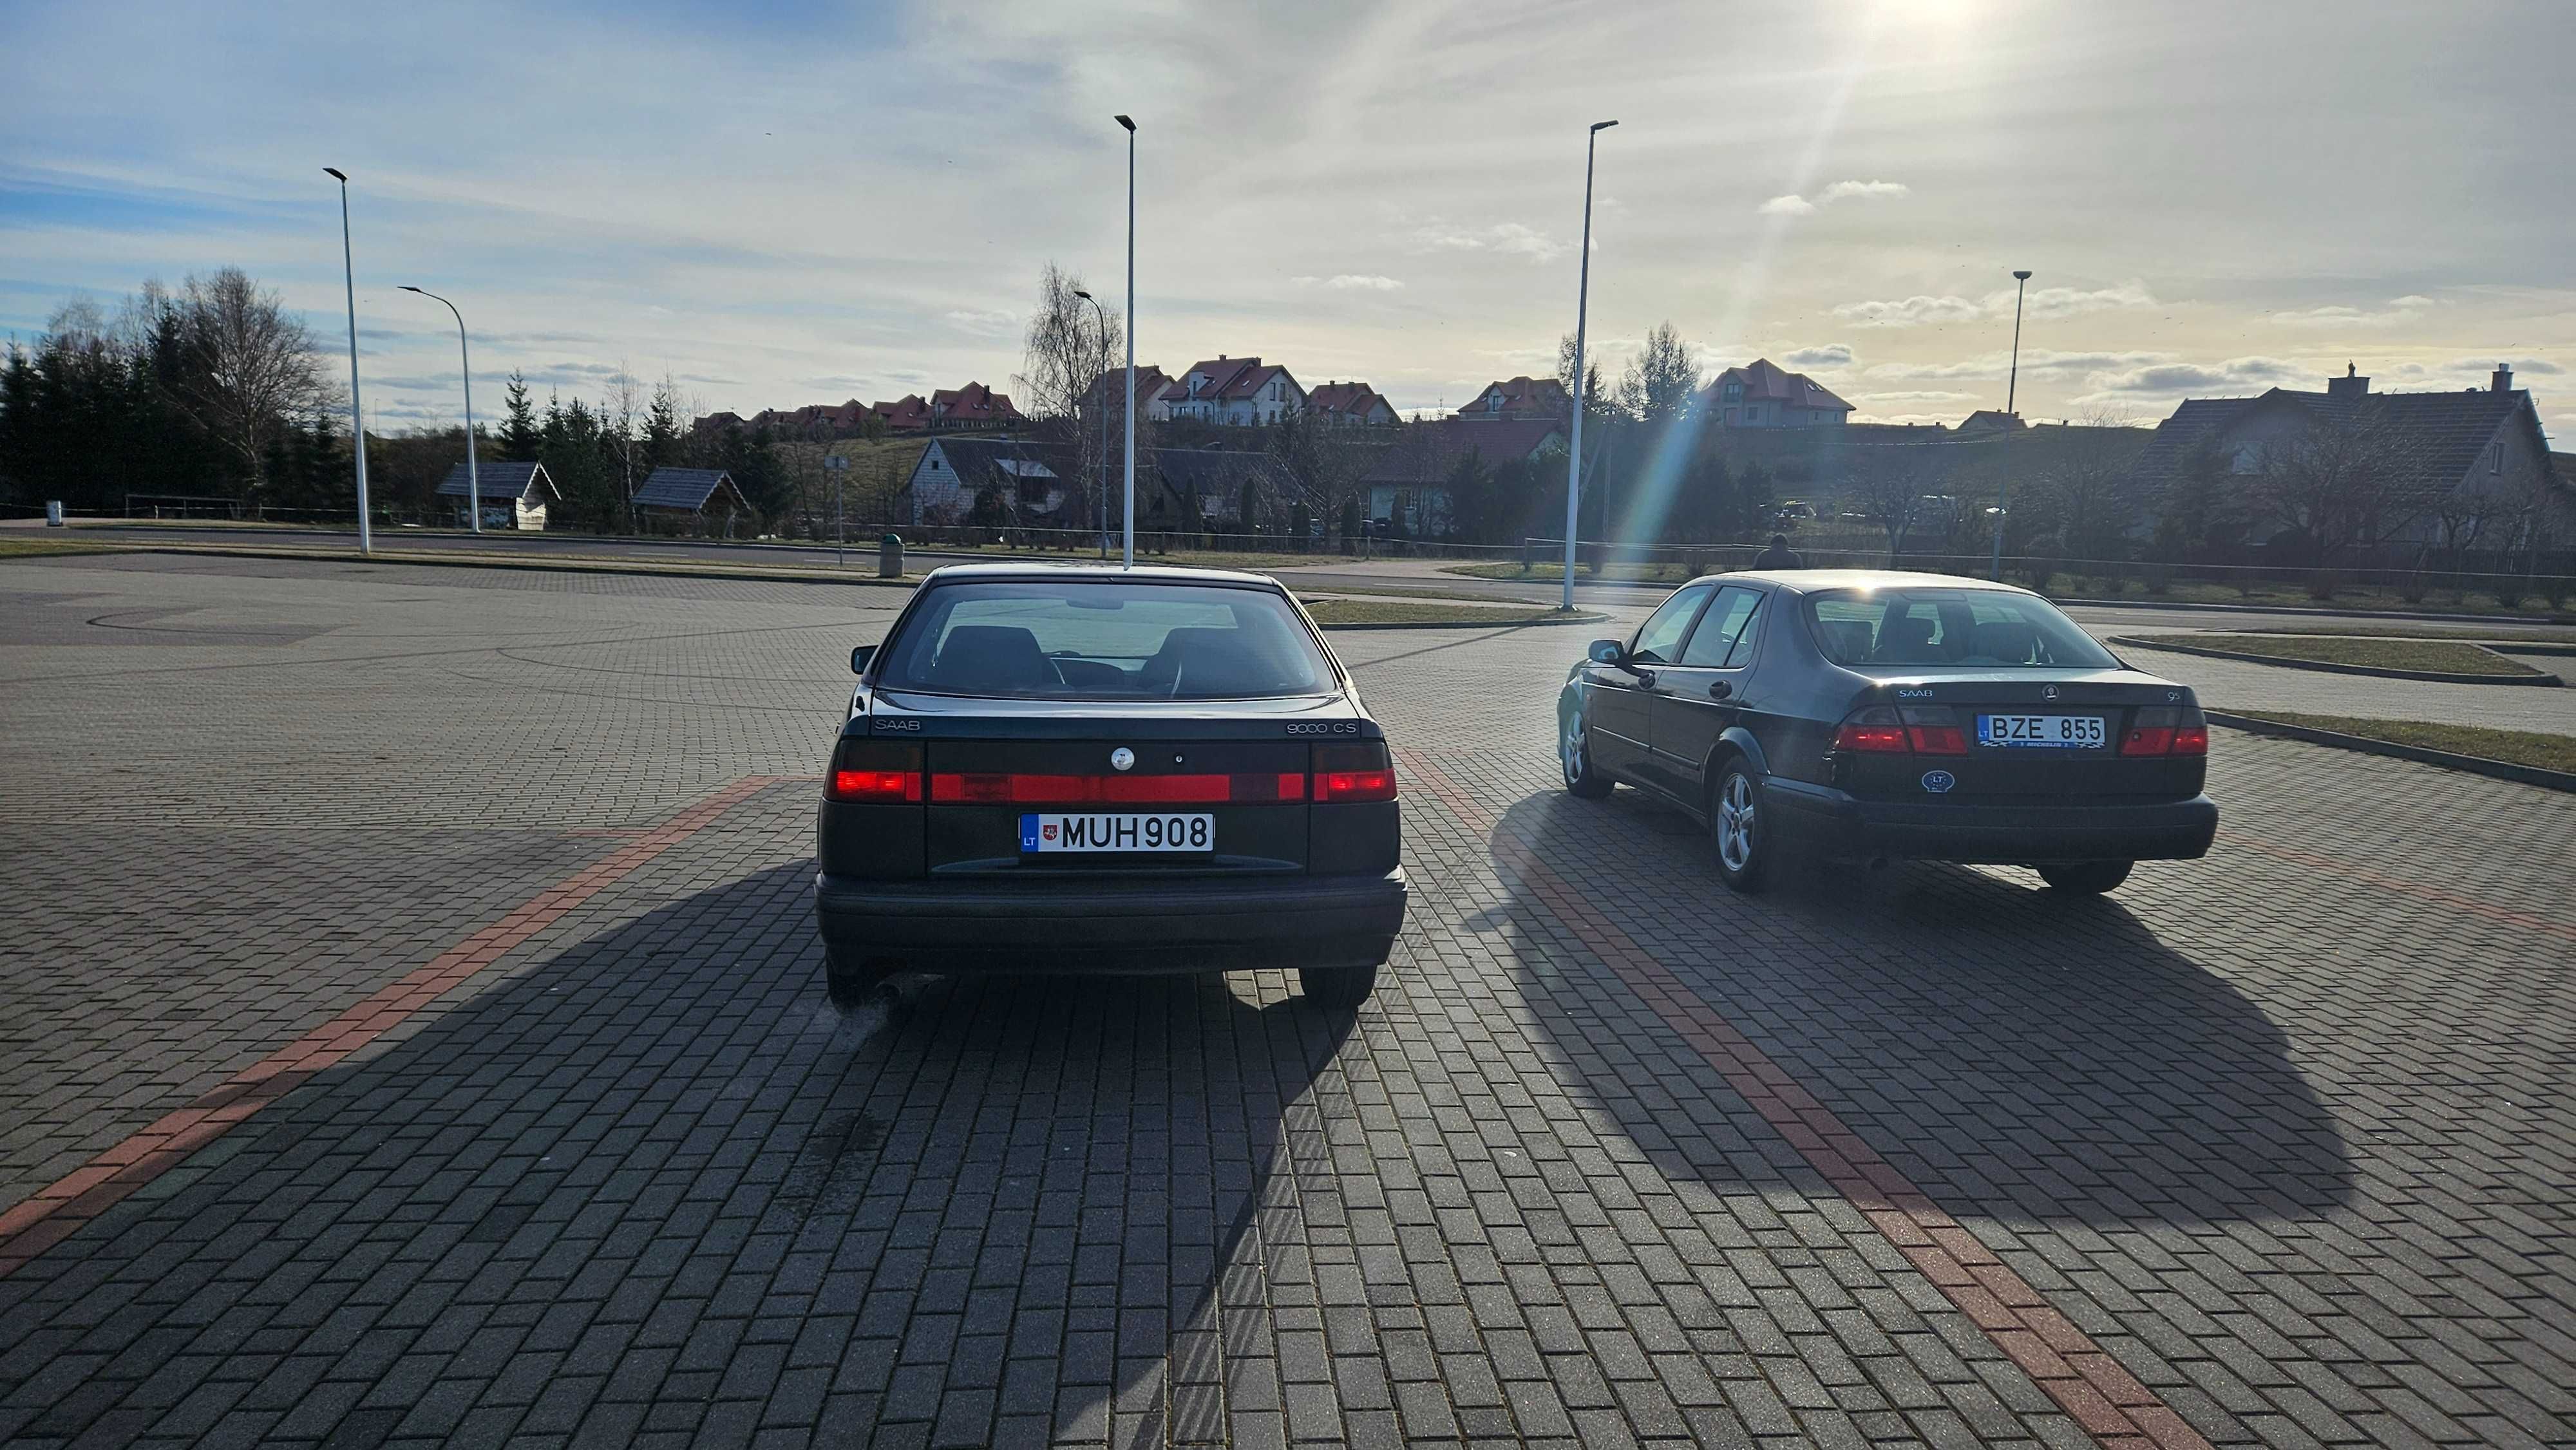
1093, 572
1812, 581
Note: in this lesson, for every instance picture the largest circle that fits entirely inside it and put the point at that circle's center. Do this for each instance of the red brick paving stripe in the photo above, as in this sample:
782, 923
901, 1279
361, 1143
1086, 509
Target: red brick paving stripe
2346, 871
57, 1211
2093, 1388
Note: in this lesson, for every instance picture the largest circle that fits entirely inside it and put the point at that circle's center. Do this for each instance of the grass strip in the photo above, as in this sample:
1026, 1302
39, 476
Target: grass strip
2393, 630
2441, 657
2514, 747
41, 548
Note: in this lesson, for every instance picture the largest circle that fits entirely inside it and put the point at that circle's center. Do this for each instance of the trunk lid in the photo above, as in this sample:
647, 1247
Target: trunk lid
1966, 768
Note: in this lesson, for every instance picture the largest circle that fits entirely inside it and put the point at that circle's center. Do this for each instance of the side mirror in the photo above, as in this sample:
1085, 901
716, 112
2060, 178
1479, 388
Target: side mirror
859, 658
1605, 651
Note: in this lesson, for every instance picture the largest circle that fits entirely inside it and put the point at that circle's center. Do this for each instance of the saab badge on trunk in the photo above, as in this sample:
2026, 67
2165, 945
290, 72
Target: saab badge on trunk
1122, 758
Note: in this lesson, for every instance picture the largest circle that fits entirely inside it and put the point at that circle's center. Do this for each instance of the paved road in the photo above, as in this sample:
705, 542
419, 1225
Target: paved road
1380, 574
417, 961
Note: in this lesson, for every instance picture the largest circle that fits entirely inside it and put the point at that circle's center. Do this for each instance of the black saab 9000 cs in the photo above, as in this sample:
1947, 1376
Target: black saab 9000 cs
1107, 770
1882, 715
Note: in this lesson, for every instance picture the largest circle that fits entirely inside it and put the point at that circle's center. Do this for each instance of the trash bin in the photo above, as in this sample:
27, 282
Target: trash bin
53, 513
890, 557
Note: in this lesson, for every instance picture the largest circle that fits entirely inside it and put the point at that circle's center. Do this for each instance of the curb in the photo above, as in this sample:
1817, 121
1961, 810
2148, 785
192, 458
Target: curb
2319, 611
2545, 681
555, 566
2561, 780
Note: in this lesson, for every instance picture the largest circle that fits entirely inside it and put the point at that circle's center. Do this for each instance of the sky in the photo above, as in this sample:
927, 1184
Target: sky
798, 203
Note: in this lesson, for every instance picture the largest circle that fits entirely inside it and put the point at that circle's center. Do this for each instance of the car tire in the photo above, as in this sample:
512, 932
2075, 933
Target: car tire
1583, 779
2086, 878
850, 978
1743, 845
1337, 989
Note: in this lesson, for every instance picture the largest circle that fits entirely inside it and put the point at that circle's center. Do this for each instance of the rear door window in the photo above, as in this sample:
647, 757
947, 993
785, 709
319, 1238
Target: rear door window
1722, 629
1106, 640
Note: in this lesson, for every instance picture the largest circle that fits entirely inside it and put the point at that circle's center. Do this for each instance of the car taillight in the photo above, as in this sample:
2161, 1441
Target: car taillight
1877, 730
1933, 730
2166, 730
876, 772
1353, 773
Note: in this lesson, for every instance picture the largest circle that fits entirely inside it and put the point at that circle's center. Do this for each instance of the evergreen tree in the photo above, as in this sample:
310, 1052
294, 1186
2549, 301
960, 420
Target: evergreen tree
519, 434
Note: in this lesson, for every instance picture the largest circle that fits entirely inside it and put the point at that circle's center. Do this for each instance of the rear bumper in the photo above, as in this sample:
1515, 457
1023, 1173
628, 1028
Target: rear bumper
2004, 835
1167, 925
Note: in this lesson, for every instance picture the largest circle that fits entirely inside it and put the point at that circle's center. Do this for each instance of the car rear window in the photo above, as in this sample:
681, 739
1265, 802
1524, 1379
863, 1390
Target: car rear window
1983, 629
1105, 640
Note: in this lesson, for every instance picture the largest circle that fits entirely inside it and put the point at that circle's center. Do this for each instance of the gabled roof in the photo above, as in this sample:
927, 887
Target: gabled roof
1991, 420
1523, 397
973, 403
689, 489
1767, 382
1151, 383
1345, 398
906, 414
501, 480
977, 459
1217, 470
2436, 437
1220, 373
1429, 452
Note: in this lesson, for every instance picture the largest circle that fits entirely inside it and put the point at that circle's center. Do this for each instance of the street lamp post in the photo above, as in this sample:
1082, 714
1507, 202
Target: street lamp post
357, 420
473, 482
1582, 303
1131, 341
837, 465
1101, 472
2012, 389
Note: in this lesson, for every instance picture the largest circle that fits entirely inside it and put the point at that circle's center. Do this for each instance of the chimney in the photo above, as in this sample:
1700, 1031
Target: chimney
2502, 380
2350, 385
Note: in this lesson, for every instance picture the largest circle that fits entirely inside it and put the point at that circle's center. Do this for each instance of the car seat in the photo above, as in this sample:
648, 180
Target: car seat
990, 658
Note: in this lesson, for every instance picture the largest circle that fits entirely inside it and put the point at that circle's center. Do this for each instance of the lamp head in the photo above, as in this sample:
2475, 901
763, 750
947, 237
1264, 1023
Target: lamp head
2023, 276
337, 172
1130, 125
407, 287
1085, 296
1603, 125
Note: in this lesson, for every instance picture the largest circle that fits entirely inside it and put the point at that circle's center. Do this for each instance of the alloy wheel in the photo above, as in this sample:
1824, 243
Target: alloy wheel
1735, 822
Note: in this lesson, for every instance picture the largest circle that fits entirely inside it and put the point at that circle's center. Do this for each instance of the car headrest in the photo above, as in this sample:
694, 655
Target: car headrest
989, 657
2008, 640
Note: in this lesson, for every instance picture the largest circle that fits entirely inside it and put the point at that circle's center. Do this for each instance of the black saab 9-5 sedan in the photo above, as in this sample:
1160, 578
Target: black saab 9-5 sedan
1107, 770
1867, 715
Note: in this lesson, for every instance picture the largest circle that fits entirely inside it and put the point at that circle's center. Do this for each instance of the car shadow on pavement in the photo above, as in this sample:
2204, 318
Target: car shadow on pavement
2015, 1052
654, 1179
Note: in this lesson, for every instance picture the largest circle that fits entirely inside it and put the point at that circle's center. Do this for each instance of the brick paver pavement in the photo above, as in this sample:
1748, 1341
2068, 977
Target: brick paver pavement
2283, 1135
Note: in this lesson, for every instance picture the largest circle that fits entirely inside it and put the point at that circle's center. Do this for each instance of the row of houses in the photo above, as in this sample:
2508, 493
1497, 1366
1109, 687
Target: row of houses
974, 408
518, 495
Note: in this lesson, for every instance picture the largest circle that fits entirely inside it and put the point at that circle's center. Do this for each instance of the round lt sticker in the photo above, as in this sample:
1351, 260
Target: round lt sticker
1938, 781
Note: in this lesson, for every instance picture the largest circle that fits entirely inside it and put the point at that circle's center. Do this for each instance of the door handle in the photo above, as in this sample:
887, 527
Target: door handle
1720, 689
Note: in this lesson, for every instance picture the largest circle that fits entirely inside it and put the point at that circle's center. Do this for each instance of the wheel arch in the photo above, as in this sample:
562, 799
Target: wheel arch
1734, 740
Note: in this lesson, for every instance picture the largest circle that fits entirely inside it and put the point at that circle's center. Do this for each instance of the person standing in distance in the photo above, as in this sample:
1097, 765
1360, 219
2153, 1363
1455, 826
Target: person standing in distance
1779, 555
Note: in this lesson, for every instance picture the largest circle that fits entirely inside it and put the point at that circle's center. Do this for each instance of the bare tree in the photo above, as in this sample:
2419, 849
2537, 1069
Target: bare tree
2340, 483
1066, 359
1598, 403
246, 368
622, 408
1886, 484
1660, 380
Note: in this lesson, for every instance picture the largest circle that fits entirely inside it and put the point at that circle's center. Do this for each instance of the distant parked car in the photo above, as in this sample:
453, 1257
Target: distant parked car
1084, 770
1868, 714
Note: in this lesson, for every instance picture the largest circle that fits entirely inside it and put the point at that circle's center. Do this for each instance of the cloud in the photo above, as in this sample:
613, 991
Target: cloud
1846, 190
1351, 282
1930, 396
2038, 362
2398, 309
2045, 304
983, 322
1796, 205
2048, 303
1831, 355
1511, 239
1912, 311
2165, 378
